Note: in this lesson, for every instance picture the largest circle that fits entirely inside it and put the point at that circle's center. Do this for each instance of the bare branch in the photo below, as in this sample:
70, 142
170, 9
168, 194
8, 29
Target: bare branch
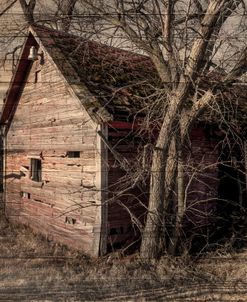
28, 9
67, 8
239, 69
7, 8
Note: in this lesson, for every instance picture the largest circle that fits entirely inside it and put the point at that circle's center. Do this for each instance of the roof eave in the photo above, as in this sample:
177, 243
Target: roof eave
17, 82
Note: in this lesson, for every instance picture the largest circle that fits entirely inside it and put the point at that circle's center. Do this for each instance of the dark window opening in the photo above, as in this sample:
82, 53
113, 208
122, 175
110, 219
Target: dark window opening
117, 231
35, 169
70, 220
25, 195
113, 231
73, 154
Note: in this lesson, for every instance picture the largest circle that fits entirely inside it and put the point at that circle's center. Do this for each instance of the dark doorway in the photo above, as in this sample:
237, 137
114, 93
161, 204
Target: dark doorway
231, 205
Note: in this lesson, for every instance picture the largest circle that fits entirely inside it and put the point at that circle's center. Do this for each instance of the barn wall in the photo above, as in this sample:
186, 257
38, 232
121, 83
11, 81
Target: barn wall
201, 185
125, 206
47, 124
201, 178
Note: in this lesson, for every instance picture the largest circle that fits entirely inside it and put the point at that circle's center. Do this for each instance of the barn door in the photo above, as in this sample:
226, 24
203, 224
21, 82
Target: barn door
232, 188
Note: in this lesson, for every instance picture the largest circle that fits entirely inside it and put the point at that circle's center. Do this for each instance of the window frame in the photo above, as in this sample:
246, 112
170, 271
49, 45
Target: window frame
73, 154
36, 169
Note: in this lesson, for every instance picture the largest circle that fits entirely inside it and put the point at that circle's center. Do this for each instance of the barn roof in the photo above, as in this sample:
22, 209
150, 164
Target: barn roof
115, 76
117, 82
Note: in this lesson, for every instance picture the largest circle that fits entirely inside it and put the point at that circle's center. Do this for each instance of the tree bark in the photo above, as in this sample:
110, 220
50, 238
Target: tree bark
158, 201
67, 8
150, 247
176, 234
28, 10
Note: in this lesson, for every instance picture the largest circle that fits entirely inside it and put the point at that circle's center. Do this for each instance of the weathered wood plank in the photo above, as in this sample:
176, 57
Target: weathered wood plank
47, 124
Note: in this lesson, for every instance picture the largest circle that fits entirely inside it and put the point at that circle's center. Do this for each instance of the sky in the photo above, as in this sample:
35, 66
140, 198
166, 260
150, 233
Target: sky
8, 22
12, 20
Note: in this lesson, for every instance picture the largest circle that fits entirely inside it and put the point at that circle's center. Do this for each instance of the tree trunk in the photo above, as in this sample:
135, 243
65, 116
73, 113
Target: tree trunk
67, 13
150, 247
28, 10
162, 174
155, 223
176, 234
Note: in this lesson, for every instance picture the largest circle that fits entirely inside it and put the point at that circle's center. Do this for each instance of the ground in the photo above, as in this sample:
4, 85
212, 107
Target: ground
33, 269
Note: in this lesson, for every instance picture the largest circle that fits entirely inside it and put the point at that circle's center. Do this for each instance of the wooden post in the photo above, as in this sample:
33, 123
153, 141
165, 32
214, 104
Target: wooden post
245, 161
2, 169
101, 222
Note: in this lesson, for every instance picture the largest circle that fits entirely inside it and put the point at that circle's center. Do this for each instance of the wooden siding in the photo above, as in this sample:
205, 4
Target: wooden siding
122, 230
47, 124
201, 185
201, 179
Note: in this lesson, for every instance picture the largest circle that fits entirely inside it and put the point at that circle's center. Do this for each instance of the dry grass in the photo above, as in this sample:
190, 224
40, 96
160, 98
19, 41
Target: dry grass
33, 269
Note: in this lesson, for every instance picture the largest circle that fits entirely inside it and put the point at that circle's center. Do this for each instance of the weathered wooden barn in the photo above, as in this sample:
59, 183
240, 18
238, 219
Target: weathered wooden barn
67, 98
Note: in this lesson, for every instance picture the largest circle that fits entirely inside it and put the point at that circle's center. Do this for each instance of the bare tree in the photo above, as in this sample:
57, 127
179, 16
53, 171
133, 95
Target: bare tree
187, 42
38, 12
65, 12
58, 14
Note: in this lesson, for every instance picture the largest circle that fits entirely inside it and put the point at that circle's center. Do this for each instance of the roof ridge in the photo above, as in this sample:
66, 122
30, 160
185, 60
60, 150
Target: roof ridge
98, 43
